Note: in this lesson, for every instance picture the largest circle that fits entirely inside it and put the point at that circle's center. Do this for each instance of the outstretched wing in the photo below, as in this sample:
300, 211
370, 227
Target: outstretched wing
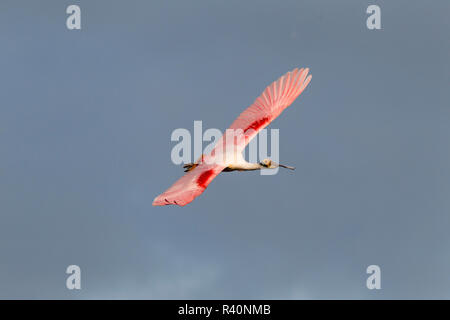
189, 186
274, 99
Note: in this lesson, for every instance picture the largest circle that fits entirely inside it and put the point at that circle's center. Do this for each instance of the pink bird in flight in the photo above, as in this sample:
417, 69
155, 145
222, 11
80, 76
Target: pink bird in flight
227, 153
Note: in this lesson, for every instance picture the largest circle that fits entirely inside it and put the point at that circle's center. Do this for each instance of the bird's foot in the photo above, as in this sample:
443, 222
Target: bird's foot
189, 166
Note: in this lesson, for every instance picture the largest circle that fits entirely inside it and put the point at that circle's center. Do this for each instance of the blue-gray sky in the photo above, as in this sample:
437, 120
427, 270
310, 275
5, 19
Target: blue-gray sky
85, 124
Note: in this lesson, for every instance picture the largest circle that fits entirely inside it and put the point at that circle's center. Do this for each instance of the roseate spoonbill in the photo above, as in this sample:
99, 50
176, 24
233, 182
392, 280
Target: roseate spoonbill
275, 98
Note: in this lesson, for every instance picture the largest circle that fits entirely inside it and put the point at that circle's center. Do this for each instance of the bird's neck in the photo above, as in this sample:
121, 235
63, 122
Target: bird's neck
245, 166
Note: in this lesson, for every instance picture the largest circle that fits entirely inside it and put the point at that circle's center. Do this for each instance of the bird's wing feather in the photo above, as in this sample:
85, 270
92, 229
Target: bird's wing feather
274, 99
189, 186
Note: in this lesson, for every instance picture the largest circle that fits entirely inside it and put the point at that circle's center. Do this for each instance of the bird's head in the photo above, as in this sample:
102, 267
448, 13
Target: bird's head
267, 163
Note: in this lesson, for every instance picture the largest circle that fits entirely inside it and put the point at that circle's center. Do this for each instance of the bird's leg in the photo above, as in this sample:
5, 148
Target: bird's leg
191, 166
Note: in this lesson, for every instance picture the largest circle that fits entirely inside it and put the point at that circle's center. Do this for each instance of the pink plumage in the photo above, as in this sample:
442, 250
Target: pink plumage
189, 186
274, 99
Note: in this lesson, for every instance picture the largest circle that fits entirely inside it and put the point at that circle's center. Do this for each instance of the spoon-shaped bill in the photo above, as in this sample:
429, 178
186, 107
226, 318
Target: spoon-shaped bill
287, 167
